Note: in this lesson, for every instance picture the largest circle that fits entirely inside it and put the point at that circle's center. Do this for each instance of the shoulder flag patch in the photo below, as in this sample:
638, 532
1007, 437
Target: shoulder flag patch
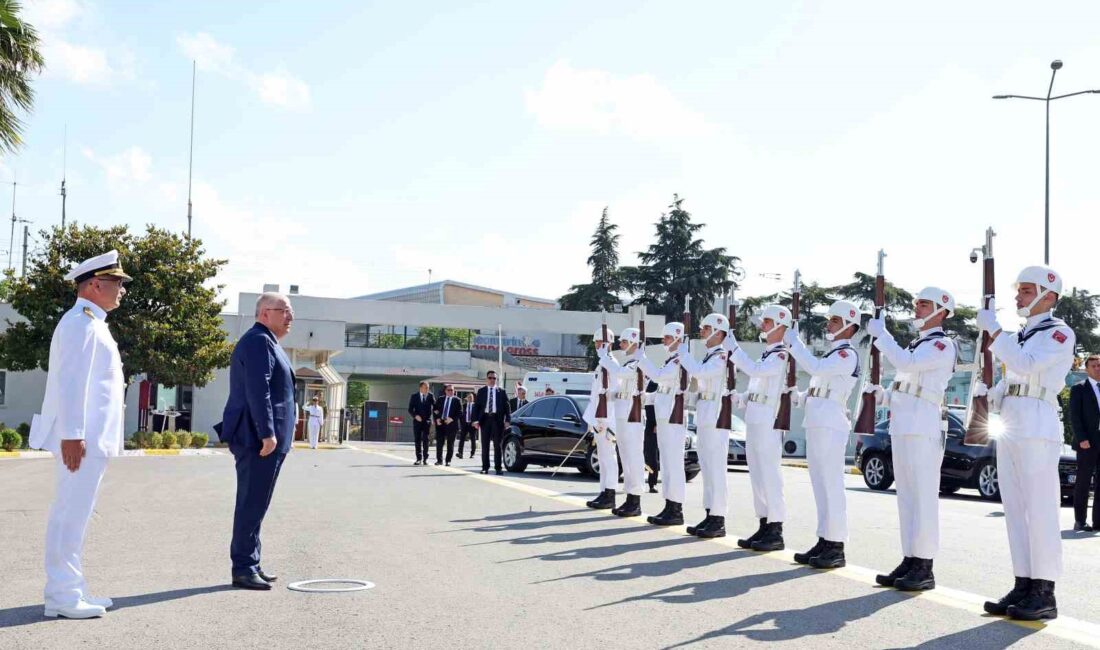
1058, 336
843, 354
782, 355
940, 345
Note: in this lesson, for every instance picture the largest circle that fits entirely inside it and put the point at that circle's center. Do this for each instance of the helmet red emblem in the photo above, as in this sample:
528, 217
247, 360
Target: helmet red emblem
945, 298
782, 314
851, 313
1051, 277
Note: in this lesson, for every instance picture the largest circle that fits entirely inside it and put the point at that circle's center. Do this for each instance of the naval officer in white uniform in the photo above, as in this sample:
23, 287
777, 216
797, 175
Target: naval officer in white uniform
81, 423
316, 417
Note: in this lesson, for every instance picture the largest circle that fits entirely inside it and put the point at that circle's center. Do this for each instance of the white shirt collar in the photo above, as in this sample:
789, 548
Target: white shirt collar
96, 309
774, 346
1092, 381
1032, 321
931, 330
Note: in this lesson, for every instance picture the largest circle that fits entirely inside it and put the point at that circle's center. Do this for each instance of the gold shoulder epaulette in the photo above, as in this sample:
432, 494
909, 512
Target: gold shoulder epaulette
89, 313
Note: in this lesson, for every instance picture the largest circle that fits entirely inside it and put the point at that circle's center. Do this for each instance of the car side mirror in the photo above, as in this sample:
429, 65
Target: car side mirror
569, 417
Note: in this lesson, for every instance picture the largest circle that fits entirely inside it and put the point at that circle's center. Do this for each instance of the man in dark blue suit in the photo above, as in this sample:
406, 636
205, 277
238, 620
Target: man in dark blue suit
258, 425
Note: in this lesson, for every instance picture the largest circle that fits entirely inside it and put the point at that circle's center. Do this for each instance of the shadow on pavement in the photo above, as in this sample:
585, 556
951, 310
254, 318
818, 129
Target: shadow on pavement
659, 568
600, 552
789, 624
558, 538
530, 514
16, 616
699, 592
995, 634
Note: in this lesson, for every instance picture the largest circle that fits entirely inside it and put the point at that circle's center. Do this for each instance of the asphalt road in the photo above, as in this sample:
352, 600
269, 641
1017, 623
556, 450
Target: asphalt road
469, 561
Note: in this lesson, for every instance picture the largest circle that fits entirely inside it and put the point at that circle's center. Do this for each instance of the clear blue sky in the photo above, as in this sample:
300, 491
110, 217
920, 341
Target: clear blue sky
350, 146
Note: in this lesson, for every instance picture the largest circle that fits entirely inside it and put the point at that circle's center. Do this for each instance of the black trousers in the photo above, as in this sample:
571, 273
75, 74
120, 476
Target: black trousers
256, 476
491, 432
1087, 467
651, 450
471, 432
421, 432
447, 431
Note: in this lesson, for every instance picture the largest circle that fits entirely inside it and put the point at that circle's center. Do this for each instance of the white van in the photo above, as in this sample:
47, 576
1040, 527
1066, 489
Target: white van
563, 383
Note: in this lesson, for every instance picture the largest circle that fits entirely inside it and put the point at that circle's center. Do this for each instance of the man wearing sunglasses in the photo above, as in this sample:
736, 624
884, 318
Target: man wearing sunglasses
491, 415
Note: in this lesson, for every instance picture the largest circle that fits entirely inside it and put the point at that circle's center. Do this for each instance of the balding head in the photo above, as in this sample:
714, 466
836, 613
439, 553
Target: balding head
273, 310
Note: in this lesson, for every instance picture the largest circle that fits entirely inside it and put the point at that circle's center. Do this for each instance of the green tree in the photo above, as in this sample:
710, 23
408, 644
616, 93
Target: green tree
169, 325
677, 266
19, 61
1078, 309
899, 304
602, 294
358, 392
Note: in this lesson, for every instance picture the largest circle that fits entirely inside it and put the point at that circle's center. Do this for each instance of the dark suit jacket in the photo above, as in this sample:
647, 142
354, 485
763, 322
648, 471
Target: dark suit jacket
468, 421
503, 414
424, 408
454, 412
261, 393
1084, 413
514, 405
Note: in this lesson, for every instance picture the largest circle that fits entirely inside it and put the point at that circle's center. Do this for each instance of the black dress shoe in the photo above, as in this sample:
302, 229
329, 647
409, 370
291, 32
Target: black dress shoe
484, 471
254, 582
267, 577
438, 463
1080, 526
653, 489
500, 472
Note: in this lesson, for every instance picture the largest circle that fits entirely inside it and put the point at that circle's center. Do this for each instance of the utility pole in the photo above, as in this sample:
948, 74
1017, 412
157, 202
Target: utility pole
191, 150
11, 243
64, 167
26, 234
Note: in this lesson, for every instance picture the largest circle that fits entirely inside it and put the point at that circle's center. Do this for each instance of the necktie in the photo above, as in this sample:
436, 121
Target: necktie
446, 408
492, 401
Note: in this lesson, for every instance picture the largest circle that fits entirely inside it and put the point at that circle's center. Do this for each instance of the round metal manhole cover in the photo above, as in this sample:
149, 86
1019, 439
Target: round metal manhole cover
335, 585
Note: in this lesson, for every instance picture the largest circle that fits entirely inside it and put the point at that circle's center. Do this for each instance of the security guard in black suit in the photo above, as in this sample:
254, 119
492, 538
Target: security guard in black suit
421, 407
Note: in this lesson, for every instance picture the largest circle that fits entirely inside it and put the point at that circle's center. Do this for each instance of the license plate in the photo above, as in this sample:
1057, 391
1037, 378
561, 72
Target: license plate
1071, 478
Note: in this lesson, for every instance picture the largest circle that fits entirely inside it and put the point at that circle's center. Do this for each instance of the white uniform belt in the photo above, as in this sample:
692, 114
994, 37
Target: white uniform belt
668, 390
625, 395
710, 397
758, 398
828, 393
1036, 392
915, 389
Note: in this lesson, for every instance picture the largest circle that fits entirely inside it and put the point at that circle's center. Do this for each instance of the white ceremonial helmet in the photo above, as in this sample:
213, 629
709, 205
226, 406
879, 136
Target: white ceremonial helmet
778, 313
943, 300
717, 322
675, 330
631, 335
598, 336
845, 311
1045, 279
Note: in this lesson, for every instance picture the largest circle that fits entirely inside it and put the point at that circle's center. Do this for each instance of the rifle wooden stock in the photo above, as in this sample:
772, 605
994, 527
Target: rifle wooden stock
601, 402
636, 405
783, 416
725, 414
977, 426
678, 416
865, 424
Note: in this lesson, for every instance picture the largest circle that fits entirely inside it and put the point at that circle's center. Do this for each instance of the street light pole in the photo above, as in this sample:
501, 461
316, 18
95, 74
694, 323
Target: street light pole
1055, 66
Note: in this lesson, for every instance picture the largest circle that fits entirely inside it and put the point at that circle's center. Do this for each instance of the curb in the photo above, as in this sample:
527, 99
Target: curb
801, 464
324, 446
29, 454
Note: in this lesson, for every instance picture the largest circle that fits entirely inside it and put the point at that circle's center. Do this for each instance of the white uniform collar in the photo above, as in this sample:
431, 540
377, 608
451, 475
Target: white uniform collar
1032, 321
716, 348
841, 342
774, 346
931, 330
84, 303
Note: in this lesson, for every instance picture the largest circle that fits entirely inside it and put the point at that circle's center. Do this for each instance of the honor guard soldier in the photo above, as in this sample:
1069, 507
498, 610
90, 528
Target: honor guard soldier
1037, 360
605, 439
630, 436
917, 429
81, 423
670, 436
832, 379
764, 443
710, 376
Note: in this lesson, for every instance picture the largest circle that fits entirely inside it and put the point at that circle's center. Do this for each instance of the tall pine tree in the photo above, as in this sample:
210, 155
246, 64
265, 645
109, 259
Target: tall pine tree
677, 265
602, 294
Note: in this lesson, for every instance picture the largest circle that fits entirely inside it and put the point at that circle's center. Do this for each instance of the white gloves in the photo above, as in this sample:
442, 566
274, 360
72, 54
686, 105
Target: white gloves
639, 353
987, 319
980, 389
877, 391
876, 327
740, 400
791, 335
601, 352
798, 398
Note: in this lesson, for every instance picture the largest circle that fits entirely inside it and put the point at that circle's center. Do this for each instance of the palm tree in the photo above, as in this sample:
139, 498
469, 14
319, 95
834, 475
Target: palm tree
19, 60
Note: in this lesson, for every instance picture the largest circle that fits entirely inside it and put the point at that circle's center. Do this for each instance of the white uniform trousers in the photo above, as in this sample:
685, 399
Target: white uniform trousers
313, 427
764, 449
714, 447
825, 449
631, 439
917, 461
609, 463
670, 444
1027, 472
74, 501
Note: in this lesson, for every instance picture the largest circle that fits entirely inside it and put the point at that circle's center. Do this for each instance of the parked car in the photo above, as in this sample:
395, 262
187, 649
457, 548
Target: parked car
736, 455
545, 430
964, 466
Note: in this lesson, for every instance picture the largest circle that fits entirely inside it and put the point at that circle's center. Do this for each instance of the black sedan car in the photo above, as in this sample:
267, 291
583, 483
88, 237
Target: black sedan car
545, 430
964, 466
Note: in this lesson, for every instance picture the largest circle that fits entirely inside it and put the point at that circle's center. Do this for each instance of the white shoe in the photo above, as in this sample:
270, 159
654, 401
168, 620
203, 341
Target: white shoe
80, 610
105, 603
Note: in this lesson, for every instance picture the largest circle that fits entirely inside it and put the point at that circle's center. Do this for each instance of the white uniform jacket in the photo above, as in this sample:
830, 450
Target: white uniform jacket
832, 378
923, 370
710, 375
85, 385
1037, 360
667, 378
623, 383
766, 382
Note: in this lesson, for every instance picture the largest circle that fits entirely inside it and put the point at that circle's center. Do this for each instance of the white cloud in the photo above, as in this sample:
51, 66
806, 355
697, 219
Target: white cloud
596, 101
52, 14
64, 56
129, 167
275, 87
77, 63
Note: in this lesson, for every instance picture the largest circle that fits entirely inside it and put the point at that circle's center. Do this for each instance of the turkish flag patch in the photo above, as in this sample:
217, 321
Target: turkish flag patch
1058, 336
783, 355
940, 345
843, 354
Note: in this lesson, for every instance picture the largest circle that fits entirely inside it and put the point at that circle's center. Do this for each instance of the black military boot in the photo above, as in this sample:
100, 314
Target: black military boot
672, 516
899, 571
1018, 593
662, 514
605, 501
772, 539
919, 578
831, 557
804, 558
747, 543
716, 528
632, 507
692, 530
1038, 604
